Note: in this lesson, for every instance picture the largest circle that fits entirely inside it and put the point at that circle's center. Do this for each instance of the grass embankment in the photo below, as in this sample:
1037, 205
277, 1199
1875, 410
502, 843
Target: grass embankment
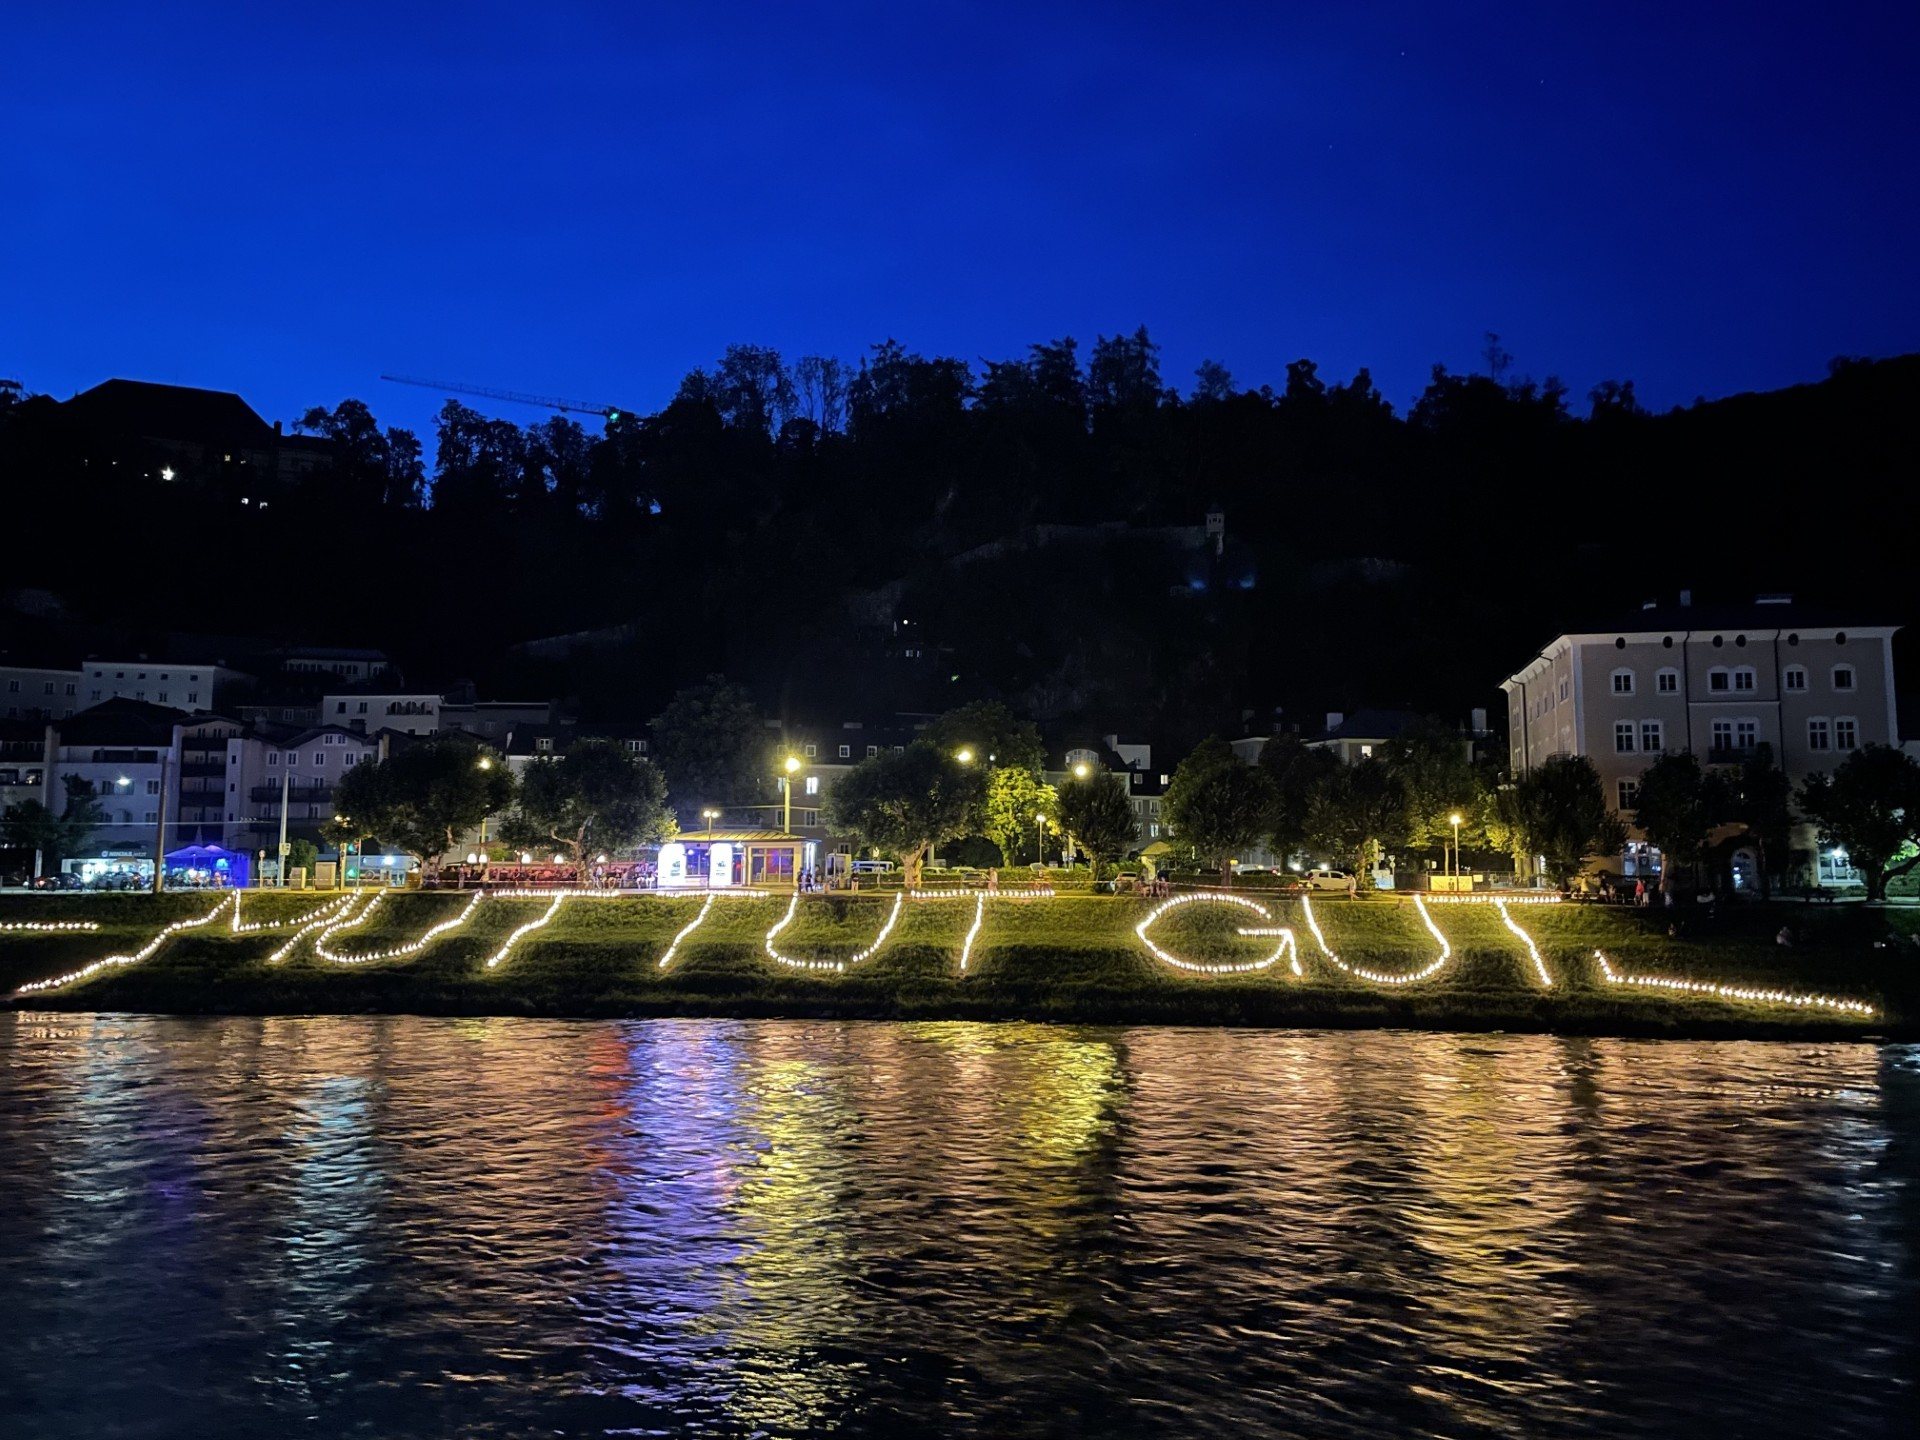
1073, 958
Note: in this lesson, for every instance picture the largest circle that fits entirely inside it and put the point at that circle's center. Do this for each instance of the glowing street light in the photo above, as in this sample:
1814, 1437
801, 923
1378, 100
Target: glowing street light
486, 762
1454, 820
964, 755
1082, 770
792, 764
1039, 837
709, 816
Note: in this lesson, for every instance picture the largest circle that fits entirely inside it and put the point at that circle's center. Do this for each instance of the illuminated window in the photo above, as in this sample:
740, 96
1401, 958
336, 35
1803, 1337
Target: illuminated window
813, 784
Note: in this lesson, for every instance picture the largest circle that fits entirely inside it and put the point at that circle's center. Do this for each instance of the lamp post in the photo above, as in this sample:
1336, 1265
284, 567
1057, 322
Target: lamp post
709, 816
1039, 837
485, 763
1454, 820
790, 765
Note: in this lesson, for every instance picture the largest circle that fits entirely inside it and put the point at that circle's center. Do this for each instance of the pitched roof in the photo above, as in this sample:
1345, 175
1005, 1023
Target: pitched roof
172, 412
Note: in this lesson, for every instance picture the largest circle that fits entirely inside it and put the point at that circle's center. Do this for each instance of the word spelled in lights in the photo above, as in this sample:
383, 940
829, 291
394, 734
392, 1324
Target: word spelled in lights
395, 952
514, 939
837, 966
253, 926
33, 987
973, 930
687, 929
44, 926
1381, 977
322, 918
1494, 899
1284, 936
1797, 999
1533, 950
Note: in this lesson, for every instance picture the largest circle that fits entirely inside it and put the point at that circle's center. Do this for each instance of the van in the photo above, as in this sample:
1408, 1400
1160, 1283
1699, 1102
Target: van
872, 867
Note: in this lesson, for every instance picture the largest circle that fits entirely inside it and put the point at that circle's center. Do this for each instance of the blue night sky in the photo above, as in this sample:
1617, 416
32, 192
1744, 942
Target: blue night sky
588, 200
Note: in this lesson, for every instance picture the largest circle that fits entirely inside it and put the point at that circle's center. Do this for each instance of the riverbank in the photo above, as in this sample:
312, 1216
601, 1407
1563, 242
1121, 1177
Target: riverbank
1068, 958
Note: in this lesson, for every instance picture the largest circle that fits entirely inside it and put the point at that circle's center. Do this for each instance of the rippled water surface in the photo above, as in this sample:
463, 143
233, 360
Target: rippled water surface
397, 1226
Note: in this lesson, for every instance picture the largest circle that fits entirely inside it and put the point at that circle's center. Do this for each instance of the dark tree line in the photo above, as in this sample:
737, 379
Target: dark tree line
833, 511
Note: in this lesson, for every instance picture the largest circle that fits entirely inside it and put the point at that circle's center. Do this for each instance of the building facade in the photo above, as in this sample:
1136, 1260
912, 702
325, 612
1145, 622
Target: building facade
1717, 680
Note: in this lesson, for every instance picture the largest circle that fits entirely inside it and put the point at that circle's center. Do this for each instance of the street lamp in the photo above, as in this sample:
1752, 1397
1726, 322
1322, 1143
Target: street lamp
486, 762
1039, 837
963, 755
1454, 820
1082, 770
792, 764
709, 816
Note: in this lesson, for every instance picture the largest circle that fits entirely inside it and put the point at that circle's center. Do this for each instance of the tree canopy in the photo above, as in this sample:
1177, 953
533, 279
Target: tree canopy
907, 802
1218, 805
596, 797
713, 748
1869, 807
1097, 814
423, 797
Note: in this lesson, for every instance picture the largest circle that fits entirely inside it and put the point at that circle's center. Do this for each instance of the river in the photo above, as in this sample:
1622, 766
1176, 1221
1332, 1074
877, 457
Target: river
402, 1226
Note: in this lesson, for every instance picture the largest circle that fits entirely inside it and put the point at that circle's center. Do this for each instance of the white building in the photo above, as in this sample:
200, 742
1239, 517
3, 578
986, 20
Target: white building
190, 686
1716, 680
36, 692
411, 712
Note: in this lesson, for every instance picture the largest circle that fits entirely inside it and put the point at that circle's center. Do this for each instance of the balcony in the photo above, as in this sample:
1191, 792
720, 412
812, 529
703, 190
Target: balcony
297, 795
1729, 754
203, 768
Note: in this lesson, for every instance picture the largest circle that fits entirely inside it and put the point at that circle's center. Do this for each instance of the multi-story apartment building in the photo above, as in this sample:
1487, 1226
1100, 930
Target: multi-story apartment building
37, 691
1718, 680
194, 685
274, 766
130, 751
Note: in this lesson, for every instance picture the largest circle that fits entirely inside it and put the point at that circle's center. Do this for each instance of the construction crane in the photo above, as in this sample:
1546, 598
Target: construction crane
548, 402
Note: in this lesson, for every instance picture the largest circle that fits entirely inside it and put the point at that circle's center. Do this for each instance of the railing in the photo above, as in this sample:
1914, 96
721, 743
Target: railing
296, 795
203, 767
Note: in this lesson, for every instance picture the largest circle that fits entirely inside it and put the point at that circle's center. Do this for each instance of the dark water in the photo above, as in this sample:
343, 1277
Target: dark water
403, 1226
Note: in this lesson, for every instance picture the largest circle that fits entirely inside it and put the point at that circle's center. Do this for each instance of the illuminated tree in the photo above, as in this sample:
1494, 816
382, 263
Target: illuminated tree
1218, 805
906, 803
991, 733
1870, 807
597, 796
1096, 813
1014, 797
424, 797
1557, 811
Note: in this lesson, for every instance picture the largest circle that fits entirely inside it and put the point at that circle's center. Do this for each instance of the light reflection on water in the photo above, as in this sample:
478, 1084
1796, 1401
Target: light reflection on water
400, 1226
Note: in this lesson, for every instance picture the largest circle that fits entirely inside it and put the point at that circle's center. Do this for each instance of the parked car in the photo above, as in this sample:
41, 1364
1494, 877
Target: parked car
1245, 868
872, 867
62, 881
1328, 880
